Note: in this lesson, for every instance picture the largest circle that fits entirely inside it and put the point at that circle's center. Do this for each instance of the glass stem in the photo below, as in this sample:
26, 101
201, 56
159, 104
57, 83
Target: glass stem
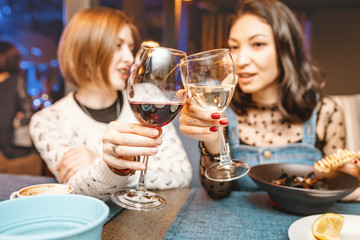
224, 151
141, 184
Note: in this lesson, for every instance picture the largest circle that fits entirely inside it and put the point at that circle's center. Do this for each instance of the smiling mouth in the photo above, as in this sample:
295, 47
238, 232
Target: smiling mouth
246, 78
246, 75
124, 73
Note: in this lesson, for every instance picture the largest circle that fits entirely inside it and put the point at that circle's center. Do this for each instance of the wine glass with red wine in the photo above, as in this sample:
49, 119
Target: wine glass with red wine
156, 91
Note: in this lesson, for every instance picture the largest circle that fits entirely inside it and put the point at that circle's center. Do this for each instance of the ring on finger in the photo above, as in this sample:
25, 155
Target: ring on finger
113, 147
189, 120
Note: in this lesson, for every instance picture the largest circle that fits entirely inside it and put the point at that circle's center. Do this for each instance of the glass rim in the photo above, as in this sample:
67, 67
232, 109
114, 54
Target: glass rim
173, 50
220, 51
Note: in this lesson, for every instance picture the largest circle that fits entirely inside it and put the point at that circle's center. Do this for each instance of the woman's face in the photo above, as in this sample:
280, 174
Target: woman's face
122, 59
252, 46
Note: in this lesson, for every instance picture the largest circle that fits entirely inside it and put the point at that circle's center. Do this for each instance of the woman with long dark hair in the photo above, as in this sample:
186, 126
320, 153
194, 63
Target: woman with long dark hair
277, 113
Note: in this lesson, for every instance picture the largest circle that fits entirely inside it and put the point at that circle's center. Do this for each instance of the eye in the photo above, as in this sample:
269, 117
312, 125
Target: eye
259, 44
131, 47
233, 48
119, 45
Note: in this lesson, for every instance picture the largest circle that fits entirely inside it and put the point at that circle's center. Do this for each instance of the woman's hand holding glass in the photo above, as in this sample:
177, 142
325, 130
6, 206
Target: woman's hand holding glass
202, 125
130, 140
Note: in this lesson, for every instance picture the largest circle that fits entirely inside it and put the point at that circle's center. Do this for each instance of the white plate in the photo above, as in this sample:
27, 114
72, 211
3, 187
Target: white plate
301, 229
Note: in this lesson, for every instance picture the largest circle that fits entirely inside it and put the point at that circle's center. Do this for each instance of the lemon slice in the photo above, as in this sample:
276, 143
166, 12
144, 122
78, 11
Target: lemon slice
328, 226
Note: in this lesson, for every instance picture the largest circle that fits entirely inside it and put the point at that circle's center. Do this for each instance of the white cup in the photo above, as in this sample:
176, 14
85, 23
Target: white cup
42, 189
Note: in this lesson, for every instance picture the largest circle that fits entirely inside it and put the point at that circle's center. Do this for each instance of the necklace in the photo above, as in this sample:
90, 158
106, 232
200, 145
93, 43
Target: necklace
102, 115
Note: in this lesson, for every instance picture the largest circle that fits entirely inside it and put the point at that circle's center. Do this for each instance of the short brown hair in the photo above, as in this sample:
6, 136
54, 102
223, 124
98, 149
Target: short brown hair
88, 43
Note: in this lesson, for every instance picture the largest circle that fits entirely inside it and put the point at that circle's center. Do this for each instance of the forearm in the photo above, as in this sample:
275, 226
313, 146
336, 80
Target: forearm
97, 180
48, 142
214, 189
213, 147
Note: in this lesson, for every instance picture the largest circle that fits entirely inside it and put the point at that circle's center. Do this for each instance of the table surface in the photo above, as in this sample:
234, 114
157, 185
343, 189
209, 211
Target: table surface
192, 214
146, 225
125, 225
10, 183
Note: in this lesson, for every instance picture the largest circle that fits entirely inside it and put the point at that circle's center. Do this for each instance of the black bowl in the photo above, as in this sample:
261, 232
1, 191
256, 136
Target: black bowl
299, 200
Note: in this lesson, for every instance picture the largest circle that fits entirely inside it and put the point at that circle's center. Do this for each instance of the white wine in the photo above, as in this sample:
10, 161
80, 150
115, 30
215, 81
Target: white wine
212, 98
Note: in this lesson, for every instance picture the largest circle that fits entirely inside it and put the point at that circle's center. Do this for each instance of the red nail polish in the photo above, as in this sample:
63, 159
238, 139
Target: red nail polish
213, 129
355, 161
224, 122
215, 115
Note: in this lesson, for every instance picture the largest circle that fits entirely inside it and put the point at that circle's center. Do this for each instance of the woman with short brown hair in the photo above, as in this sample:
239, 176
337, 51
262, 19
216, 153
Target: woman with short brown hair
89, 139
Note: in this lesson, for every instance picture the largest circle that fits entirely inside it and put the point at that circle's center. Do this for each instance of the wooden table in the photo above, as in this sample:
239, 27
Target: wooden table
146, 225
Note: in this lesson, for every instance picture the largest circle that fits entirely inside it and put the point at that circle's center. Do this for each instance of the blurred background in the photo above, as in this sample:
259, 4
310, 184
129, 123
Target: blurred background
331, 28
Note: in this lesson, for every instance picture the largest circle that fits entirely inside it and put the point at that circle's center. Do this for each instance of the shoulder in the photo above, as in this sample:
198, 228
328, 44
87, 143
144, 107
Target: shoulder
64, 102
330, 117
52, 112
328, 107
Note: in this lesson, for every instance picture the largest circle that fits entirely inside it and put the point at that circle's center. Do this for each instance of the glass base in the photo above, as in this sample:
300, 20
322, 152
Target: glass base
138, 200
227, 172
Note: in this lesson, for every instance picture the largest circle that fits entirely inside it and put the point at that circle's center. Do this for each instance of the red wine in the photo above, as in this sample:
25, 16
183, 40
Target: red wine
155, 114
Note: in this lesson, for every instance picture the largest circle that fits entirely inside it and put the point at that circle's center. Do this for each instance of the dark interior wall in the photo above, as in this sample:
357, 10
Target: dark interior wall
334, 41
335, 45
334, 36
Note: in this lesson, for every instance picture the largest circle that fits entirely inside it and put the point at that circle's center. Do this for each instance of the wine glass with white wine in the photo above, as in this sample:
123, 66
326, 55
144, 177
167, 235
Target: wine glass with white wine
211, 83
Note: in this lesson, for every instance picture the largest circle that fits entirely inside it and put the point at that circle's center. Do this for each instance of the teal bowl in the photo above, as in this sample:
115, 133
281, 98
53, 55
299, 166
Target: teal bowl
67, 216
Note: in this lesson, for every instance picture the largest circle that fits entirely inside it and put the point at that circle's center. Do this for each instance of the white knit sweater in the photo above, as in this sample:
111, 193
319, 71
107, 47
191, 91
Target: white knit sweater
64, 125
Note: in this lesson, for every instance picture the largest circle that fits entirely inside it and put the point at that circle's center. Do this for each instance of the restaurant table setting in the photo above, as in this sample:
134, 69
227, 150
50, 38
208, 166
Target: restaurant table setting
77, 215
246, 215
52, 216
9, 183
192, 214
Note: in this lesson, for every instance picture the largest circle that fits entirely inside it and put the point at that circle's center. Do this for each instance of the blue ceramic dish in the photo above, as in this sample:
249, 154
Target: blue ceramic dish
48, 217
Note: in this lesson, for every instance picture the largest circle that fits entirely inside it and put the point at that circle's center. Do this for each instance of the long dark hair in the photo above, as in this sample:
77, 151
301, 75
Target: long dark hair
299, 80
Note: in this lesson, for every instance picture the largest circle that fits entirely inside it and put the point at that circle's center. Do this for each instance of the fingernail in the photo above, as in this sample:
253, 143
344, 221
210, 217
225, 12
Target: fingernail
141, 167
213, 129
154, 150
215, 115
154, 133
224, 122
355, 161
158, 141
